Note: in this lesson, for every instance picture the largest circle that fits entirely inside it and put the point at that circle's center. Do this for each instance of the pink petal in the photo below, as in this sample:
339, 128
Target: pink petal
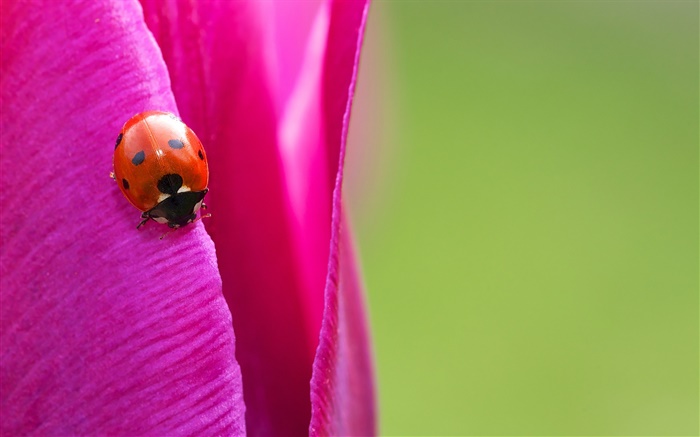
342, 394
218, 58
342, 388
293, 21
104, 329
303, 150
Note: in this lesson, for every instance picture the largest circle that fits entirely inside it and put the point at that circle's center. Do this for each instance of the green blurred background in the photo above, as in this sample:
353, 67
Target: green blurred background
523, 183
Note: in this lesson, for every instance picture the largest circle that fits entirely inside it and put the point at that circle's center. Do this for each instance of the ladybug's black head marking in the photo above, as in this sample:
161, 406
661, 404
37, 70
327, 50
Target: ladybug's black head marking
170, 183
176, 144
178, 209
138, 158
119, 140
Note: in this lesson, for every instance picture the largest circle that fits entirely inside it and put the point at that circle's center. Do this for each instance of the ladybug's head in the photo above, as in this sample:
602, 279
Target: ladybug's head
180, 206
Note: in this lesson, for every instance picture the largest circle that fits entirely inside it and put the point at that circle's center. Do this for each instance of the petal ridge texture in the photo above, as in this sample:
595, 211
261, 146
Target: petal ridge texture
103, 329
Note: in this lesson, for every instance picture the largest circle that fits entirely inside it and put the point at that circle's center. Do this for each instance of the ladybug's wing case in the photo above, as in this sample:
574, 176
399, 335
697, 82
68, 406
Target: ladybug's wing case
136, 165
180, 152
154, 145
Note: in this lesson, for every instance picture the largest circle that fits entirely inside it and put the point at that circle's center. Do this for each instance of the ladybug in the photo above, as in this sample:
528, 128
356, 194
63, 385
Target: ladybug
161, 168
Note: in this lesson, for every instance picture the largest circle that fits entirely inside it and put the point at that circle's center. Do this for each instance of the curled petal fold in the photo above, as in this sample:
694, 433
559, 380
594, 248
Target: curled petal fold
104, 329
342, 389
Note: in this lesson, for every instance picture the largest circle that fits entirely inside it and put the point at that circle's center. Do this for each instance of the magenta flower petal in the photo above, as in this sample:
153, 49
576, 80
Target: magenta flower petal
313, 133
310, 135
293, 21
342, 389
104, 329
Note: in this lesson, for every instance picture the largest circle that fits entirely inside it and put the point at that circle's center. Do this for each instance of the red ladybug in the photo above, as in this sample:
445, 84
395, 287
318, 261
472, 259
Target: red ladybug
161, 167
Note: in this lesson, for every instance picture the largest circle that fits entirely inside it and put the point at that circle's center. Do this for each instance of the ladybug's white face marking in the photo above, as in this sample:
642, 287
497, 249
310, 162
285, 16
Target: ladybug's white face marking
164, 196
160, 219
197, 206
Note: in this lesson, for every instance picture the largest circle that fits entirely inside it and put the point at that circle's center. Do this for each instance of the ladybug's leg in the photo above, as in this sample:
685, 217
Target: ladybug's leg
204, 206
173, 228
169, 232
201, 216
145, 218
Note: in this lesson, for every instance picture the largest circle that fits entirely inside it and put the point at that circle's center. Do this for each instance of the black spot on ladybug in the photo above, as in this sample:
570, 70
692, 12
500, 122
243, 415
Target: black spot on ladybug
176, 144
119, 140
201, 155
138, 158
125, 183
170, 183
